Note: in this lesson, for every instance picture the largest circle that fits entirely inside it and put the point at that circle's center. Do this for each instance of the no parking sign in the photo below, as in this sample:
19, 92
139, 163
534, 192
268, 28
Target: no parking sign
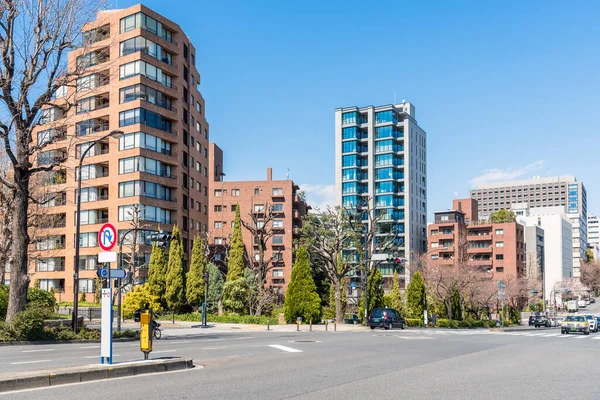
107, 237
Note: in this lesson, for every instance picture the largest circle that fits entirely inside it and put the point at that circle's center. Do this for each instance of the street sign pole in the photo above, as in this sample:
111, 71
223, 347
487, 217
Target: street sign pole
107, 238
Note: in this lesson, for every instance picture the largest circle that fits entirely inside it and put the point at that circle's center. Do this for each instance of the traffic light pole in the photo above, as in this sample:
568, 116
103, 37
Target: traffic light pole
119, 299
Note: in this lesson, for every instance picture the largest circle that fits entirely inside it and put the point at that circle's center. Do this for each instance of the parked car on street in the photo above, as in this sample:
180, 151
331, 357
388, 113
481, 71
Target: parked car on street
387, 318
572, 306
575, 323
593, 323
559, 321
541, 320
592, 300
531, 320
581, 304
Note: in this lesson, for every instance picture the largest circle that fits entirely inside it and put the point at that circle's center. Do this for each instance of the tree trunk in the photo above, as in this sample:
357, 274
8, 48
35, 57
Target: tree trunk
3, 262
339, 311
19, 280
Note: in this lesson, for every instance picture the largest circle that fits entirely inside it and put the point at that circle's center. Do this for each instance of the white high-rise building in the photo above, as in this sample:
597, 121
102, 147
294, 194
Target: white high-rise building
381, 158
593, 225
541, 192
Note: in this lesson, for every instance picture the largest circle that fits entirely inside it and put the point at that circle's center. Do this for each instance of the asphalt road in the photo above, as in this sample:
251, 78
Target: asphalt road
413, 364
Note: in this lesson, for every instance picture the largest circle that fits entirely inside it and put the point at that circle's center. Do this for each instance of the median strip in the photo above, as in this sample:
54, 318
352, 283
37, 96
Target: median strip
58, 376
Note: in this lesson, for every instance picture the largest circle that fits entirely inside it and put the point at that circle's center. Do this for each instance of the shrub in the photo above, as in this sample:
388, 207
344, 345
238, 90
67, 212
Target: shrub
136, 300
83, 297
38, 298
414, 322
229, 319
7, 332
29, 324
127, 333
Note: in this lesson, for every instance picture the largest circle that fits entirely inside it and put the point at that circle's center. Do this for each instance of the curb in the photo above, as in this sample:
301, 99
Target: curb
61, 376
26, 343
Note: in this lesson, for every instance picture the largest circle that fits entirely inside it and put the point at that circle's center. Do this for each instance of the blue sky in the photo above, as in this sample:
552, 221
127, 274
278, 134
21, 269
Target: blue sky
504, 89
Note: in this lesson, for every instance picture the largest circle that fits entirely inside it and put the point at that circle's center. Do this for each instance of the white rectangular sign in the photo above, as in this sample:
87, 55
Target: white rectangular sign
107, 256
106, 327
379, 257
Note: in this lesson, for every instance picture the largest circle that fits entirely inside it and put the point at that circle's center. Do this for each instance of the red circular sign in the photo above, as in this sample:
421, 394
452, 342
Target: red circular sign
107, 237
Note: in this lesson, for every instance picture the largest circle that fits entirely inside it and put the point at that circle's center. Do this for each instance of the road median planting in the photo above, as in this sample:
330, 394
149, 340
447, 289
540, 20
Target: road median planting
60, 376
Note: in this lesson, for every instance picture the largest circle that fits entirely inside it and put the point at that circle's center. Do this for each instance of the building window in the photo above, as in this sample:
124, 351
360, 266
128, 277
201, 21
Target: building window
235, 192
434, 232
434, 245
444, 218
218, 224
278, 207
86, 285
256, 191
277, 192
218, 192
259, 208
499, 256
218, 240
277, 223
499, 231
234, 207
499, 244
218, 209
277, 273
277, 239
499, 269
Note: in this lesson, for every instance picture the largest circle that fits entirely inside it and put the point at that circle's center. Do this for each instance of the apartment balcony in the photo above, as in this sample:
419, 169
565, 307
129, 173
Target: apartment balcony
54, 200
91, 126
444, 236
52, 157
479, 237
52, 221
98, 149
93, 217
92, 103
96, 35
93, 194
92, 81
50, 136
58, 177
93, 58
480, 250
92, 171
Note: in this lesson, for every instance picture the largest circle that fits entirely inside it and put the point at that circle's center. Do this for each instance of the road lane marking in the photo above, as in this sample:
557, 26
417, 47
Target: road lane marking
285, 348
582, 337
535, 334
552, 335
36, 351
90, 347
214, 348
164, 351
566, 336
30, 362
596, 338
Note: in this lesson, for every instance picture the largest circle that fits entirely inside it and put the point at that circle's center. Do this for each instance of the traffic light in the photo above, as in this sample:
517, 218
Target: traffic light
397, 261
162, 239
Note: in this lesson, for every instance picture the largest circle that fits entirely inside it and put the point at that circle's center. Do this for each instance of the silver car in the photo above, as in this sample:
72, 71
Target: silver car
593, 323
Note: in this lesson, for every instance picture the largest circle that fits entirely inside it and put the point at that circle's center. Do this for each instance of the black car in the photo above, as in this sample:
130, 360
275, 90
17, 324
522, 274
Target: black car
531, 320
540, 320
386, 318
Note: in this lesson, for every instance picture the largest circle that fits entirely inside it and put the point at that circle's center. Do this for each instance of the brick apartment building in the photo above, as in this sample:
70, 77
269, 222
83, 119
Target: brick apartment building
458, 234
287, 206
140, 77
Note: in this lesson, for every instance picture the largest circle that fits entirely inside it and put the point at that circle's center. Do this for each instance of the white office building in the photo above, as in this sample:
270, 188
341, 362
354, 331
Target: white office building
558, 239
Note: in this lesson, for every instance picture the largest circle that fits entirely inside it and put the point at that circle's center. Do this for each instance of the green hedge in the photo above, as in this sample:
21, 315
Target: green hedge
452, 324
226, 319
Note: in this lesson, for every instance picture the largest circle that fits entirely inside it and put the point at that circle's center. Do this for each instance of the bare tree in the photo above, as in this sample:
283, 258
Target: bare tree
262, 230
134, 215
35, 37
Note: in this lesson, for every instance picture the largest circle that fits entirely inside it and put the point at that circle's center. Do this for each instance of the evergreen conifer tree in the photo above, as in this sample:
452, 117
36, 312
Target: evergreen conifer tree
235, 265
194, 279
175, 279
157, 272
301, 297
415, 294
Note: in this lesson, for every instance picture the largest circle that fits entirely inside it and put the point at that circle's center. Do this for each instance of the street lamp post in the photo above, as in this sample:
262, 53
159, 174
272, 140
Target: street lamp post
114, 133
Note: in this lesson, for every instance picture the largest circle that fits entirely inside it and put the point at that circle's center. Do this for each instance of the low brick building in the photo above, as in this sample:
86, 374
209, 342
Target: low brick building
287, 206
458, 234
